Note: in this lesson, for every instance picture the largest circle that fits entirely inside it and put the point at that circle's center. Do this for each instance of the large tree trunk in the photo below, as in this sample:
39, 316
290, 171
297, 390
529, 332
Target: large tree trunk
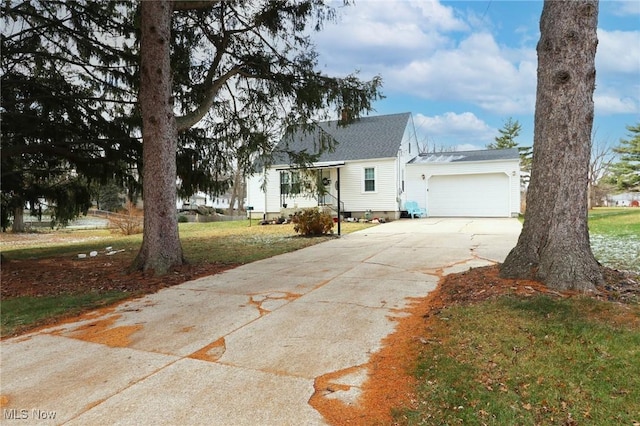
554, 244
161, 247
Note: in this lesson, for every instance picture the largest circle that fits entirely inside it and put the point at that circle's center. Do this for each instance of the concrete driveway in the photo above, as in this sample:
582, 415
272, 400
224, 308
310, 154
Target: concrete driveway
243, 347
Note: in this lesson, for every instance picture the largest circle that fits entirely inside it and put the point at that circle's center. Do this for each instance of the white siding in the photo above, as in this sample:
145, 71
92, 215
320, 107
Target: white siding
270, 202
408, 150
386, 199
383, 199
352, 193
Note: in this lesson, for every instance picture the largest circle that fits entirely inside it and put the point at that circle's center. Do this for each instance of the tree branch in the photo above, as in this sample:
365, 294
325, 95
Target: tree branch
187, 121
193, 4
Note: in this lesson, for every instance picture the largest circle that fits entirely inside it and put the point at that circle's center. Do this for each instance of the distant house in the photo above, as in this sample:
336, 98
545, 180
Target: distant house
625, 199
200, 199
379, 167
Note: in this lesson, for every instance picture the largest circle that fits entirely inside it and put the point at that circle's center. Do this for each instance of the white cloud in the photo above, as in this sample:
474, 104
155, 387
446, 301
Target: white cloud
607, 104
465, 131
618, 51
373, 35
462, 57
626, 8
477, 71
617, 72
439, 17
427, 49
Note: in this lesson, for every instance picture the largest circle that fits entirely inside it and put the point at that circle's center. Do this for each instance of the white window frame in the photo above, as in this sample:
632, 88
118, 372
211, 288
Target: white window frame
364, 180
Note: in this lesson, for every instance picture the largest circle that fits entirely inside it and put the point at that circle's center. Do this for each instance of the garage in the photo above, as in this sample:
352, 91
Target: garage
477, 195
482, 183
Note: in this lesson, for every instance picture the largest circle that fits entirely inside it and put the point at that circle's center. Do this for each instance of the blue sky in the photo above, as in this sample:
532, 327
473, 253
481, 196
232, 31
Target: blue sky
464, 67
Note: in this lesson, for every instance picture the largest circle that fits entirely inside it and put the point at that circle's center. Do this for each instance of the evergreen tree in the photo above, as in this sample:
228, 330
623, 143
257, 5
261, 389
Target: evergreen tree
257, 79
243, 72
507, 139
625, 174
67, 103
508, 134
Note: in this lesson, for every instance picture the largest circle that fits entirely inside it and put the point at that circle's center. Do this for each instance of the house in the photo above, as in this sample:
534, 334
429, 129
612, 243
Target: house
200, 199
484, 183
625, 199
379, 168
368, 160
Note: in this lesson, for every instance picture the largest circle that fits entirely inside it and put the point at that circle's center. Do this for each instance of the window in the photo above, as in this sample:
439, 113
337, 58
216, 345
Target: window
369, 179
295, 183
290, 183
285, 186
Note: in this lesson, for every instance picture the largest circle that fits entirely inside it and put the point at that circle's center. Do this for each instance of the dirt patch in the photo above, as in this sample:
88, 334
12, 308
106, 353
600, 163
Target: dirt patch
211, 352
103, 332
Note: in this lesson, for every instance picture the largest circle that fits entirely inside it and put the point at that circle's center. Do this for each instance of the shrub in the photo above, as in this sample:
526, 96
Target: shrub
312, 222
129, 222
206, 211
183, 219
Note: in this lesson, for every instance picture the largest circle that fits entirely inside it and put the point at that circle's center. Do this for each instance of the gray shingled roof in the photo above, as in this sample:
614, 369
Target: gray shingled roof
366, 138
460, 156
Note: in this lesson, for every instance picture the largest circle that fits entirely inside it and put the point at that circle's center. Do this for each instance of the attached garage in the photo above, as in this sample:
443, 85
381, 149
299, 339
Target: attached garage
476, 195
466, 184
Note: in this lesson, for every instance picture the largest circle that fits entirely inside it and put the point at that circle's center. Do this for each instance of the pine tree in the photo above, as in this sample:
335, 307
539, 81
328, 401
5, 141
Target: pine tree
258, 79
67, 98
508, 134
241, 73
625, 174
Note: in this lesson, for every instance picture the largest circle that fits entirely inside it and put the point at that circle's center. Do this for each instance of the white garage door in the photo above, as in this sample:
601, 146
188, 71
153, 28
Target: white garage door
480, 195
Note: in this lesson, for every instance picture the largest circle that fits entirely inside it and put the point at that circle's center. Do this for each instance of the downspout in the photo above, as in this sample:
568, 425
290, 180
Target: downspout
338, 184
264, 213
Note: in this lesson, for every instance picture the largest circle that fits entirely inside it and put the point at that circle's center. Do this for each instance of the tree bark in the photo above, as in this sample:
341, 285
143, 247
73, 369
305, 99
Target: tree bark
161, 248
18, 219
554, 244
237, 192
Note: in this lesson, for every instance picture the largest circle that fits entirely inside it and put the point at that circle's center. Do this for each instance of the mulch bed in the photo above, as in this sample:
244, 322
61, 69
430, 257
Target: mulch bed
60, 275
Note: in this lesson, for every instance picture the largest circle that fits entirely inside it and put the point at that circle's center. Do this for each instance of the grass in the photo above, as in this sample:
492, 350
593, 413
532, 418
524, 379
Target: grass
235, 242
615, 221
615, 237
227, 242
539, 361
24, 312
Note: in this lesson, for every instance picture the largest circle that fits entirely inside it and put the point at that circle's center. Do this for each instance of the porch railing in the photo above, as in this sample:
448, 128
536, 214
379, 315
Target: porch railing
331, 201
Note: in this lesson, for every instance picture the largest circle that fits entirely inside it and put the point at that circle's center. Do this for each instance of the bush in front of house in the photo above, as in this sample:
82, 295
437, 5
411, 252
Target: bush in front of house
312, 222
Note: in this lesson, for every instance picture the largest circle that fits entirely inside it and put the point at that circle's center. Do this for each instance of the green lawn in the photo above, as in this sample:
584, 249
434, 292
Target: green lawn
615, 221
534, 361
615, 237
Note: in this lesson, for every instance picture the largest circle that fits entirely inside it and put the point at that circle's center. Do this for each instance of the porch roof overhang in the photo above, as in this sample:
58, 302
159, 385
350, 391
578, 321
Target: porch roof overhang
318, 165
